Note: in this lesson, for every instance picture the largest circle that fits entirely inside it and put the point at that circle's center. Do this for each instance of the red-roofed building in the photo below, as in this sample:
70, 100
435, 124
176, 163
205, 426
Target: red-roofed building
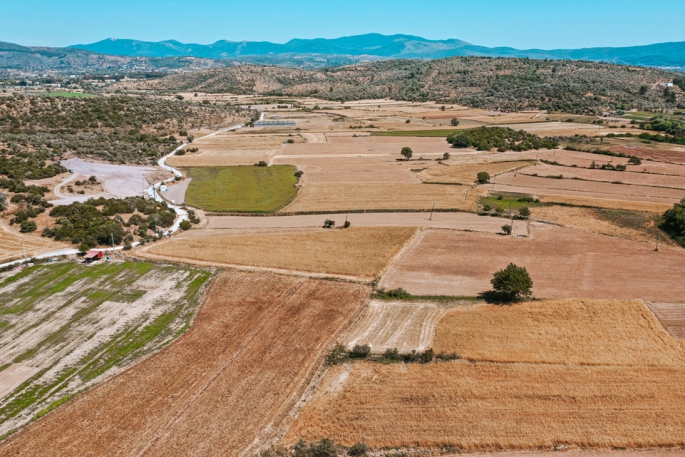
92, 256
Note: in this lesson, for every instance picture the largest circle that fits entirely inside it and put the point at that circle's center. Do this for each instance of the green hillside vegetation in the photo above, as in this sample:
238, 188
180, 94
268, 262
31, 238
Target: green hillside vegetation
241, 189
99, 222
480, 82
501, 138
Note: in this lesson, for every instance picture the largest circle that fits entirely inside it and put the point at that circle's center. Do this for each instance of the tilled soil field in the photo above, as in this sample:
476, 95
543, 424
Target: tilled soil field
563, 263
672, 316
11, 246
221, 389
674, 156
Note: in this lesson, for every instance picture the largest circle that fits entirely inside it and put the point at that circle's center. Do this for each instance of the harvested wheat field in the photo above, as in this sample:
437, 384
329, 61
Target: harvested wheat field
496, 406
379, 196
221, 389
647, 207
357, 251
672, 316
466, 174
563, 263
631, 225
11, 247
675, 155
403, 325
580, 332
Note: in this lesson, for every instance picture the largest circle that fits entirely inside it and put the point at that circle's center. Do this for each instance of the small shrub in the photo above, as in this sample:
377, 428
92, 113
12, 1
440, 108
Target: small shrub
299, 173
446, 156
407, 152
635, 161
454, 122
186, 225
358, 450
360, 352
483, 177
347, 224
506, 229
28, 226
499, 210
524, 211
329, 224
261, 163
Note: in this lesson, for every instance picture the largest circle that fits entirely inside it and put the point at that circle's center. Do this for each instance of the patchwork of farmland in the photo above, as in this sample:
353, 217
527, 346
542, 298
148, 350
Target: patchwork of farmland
572, 373
223, 388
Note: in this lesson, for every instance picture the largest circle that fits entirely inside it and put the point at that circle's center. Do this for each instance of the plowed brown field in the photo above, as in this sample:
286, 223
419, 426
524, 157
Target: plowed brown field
675, 156
220, 389
672, 316
564, 263
638, 179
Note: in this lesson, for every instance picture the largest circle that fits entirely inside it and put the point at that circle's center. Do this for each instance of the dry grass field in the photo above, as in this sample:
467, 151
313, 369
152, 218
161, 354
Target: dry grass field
594, 220
357, 251
221, 389
380, 196
496, 406
608, 176
647, 207
403, 325
11, 247
572, 373
563, 263
466, 174
579, 332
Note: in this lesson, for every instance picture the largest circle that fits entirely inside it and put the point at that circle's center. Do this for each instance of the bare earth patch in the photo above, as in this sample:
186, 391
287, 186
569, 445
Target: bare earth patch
672, 316
564, 263
466, 174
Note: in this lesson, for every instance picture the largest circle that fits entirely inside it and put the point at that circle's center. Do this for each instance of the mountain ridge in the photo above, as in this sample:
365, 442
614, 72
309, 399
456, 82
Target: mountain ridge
378, 46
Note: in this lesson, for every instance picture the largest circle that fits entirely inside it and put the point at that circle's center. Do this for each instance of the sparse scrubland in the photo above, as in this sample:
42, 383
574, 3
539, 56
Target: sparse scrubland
478, 82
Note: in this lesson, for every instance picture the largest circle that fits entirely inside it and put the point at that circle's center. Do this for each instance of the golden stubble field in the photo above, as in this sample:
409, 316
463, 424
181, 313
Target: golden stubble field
11, 244
574, 373
361, 252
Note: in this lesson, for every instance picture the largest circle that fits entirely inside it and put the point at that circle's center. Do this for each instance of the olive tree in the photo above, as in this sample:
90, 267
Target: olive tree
483, 177
407, 152
513, 283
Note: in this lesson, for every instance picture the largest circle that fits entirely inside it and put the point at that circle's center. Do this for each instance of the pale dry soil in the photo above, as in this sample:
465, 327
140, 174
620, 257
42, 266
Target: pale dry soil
11, 244
402, 325
563, 263
223, 388
361, 252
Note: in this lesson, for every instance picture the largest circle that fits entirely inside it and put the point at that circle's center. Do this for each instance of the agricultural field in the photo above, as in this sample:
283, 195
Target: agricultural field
534, 376
565, 263
241, 189
66, 327
466, 174
356, 251
403, 325
380, 196
255, 343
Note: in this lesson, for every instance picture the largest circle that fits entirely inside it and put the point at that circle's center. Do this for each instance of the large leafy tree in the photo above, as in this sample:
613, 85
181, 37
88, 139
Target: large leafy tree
513, 283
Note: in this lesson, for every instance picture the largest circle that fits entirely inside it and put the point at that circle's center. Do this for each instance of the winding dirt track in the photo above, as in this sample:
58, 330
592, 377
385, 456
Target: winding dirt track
221, 389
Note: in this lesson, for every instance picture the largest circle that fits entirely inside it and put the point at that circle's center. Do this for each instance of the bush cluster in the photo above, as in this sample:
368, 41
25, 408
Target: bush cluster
501, 138
673, 222
363, 352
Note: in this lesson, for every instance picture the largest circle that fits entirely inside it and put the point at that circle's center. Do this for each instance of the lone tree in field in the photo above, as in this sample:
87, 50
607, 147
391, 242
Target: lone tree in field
407, 153
524, 211
483, 177
454, 122
513, 283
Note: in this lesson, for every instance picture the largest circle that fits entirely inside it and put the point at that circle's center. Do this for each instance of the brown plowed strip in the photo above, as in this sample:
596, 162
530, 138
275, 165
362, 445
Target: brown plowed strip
672, 316
217, 390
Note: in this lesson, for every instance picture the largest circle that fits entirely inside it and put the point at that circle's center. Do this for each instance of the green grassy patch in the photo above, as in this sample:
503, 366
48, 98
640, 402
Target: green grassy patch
418, 133
69, 95
508, 202
241, 189
52, 406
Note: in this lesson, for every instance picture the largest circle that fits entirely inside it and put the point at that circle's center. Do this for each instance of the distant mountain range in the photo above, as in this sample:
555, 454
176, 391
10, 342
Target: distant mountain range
375, 46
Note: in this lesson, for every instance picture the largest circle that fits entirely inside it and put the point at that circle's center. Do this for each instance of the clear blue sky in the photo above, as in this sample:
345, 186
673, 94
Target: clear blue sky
543, 24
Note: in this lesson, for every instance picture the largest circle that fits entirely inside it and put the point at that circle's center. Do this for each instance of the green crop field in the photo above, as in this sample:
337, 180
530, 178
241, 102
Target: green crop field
241, 189
66, 326
69, 94
417, 133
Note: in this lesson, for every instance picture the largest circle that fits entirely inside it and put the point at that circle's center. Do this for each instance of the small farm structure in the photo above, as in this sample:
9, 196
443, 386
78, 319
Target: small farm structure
92, 256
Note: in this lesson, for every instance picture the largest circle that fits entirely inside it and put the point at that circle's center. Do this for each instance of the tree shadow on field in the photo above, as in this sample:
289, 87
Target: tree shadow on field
494, 297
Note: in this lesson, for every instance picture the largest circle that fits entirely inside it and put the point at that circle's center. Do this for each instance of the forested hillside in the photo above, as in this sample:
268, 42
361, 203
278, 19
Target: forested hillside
489, 83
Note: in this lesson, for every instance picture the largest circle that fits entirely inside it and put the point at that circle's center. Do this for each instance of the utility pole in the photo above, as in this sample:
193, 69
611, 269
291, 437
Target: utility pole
23, 248
112, 235
433, 209
656, 228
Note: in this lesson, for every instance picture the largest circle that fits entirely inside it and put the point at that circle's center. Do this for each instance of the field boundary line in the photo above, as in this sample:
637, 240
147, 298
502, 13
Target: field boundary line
162, 430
